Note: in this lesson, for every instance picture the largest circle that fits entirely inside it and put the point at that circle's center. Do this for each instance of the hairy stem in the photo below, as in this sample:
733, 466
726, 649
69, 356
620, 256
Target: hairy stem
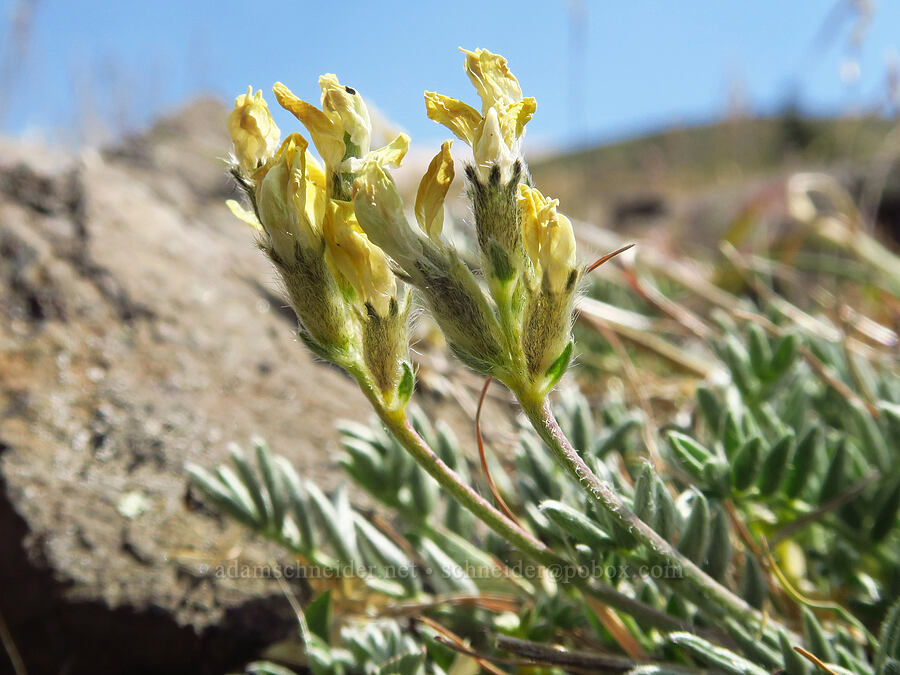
564, 571
694, 584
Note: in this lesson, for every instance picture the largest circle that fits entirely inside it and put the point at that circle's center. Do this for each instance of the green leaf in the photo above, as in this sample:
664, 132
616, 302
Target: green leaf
783, 356
753, 583
794, 664
582, 426
715, 656
667, 518
267, 668
318, 617
559, 367
407, 383
616, 438
411, 663
760, 352
251, 482
689, 453
327, 515
396, 563
886, 516
889, 638
747, 463
299, 504
751, 645
274, 485
644, 499
710, 408
223, 498
538, 465
446, 575
775, 466
694, 540
424, 490
835, 480
732, 436
815, 637
805, 461
239, 493
576, 524
873, 441
719, 552
738, 362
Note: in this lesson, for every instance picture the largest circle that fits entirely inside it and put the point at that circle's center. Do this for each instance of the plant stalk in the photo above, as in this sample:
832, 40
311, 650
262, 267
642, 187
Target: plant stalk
701, 589
563, 571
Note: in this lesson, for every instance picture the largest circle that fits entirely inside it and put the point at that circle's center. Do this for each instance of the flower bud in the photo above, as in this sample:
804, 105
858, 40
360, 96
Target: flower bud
253, 131
549, 239
550, 245
363, 265
291, 200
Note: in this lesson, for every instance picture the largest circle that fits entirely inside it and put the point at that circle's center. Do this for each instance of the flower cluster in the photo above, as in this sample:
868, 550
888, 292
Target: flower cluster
351, 308
338, 233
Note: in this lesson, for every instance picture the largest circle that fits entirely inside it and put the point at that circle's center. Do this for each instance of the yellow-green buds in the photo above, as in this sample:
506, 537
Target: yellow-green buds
253, 131
339, 283
362, 264
432, 192
291, 199
451, 291
552, 278
548, 238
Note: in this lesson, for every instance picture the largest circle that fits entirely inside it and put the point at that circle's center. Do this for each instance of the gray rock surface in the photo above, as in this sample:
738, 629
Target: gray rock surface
140, 329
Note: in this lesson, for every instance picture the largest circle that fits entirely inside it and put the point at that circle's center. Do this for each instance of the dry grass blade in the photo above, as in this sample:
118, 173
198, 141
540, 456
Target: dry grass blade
501, 504
456, 643
603, 259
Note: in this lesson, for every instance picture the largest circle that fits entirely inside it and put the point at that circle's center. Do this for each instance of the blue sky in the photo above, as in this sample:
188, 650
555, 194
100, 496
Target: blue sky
600, 70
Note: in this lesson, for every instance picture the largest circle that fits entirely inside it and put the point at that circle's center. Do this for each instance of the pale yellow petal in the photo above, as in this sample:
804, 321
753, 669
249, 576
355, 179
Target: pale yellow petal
462, 119
361, 263
348, 106
253, 131
490, 148
247, 216
432, 192
391, 154
327, 136
558, 252
531, 202
513, 119
489, 73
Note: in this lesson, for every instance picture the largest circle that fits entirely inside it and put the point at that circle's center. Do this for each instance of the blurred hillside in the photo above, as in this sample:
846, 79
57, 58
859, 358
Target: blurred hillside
680, 177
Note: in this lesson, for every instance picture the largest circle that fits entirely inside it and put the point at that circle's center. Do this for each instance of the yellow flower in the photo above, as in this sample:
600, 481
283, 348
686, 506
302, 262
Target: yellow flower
432, 192
361, 263
341, 129
291, 199
495, 133
253, 131
548, 237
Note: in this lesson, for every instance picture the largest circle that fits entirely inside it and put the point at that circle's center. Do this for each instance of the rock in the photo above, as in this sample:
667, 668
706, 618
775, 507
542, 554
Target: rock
140, 329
